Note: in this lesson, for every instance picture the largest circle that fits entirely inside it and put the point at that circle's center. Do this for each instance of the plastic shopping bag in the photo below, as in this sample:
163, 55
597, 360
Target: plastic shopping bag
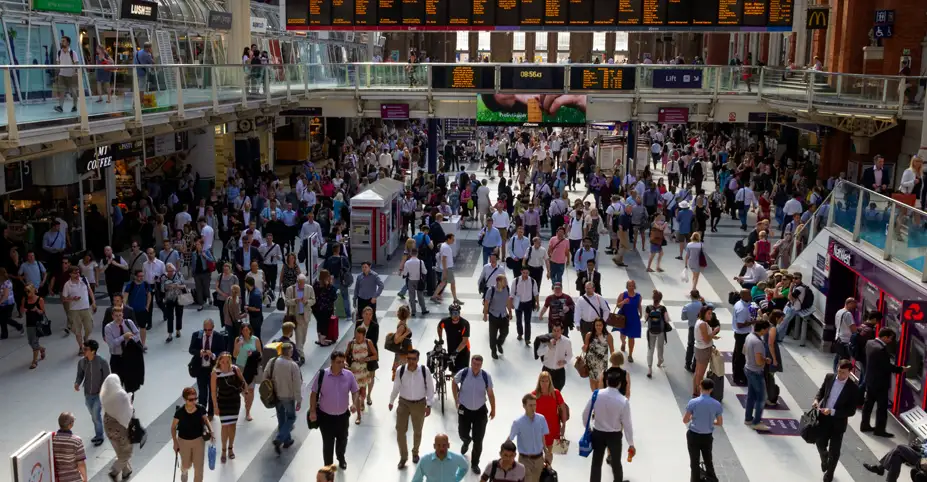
211, 455
684, 276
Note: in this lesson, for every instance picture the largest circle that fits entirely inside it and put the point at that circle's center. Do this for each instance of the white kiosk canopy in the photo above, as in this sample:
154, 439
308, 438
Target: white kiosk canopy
377, 195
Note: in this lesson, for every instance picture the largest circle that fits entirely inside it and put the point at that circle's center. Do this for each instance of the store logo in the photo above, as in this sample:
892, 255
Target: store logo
143, 10
102, 159
843, 254
38, 473
818, 18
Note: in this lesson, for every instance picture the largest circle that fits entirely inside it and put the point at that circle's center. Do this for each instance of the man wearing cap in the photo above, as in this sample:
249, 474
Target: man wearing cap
561, 308
684, 217
300, 299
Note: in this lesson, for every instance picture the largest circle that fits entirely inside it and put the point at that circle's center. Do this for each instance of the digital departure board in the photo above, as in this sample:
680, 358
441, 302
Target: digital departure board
389, 12
467, 77
541, 15
549, 79
602, 78
580, 12
555, 12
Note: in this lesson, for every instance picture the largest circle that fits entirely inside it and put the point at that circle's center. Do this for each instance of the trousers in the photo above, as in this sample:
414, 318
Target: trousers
655, 342
829, 443
498, 330
334, 430
739, 360
557, 377
192, 453
600, 442
202, 390
895, 459
699, 445
523, 316
471, 427
405, 411
302, 330
878, 398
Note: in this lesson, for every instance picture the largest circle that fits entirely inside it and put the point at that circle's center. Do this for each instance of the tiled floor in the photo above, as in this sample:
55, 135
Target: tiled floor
32, 399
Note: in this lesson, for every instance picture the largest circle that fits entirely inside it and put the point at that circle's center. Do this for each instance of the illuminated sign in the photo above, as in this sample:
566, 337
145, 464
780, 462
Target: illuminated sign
912, 311
140, 10
818, 18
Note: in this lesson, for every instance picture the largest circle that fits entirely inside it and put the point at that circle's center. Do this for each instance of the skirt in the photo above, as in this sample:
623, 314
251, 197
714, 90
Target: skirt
229, 407
359, 370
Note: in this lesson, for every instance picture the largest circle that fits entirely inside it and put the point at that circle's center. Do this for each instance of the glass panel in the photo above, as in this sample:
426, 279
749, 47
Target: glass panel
846, 199
540, 42
483, 41
876, 212
463, 40
621, 41
910, 242
518, 41
563, 41
229, 83
197, 92
598, 42
33, 45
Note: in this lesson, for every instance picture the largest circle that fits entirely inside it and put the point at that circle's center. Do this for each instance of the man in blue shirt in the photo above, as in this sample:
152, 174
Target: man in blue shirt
690, 315
490, 239
528, 432
703, 413
684, 218
33, 271
53, 242
442, 465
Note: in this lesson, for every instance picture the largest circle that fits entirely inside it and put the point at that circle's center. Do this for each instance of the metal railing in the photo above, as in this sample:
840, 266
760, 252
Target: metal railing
31, 92
896, 230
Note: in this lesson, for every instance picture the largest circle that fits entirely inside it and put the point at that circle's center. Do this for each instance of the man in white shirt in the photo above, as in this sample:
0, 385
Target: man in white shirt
446, 265
846, 326
491, 270
77, 293
386, 161
555, 355
744, 199
525, 299
182, 218
656, 152
153, 269
415, 388
612, 421
67, 77
754, 274
209, 235
414, 270
792, 206
589, 307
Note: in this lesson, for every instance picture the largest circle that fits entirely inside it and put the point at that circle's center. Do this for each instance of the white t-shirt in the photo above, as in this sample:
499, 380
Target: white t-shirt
447, 254
501, 220
209, 235
89, 271
576, 228
258, 279
182, 219
77, 289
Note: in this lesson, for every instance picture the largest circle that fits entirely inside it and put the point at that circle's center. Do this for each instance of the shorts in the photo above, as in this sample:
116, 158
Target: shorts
450, 274
143, 320
683, 237
505, 234
655, 248
702, 355
81, 320
66, 84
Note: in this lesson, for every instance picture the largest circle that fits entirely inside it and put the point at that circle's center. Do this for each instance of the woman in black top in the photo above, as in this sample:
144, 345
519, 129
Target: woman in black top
617, 362
34, 307
188, 429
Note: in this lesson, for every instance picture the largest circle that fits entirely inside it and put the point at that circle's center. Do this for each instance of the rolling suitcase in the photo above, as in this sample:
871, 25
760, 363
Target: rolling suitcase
332, 331
718, 392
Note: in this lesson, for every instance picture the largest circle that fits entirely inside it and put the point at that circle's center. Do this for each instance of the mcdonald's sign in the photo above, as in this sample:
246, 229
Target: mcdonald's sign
818, 18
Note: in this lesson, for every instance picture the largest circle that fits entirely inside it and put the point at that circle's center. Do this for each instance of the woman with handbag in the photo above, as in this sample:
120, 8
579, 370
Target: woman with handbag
190, 430
555, 412
657, 241
227, 385
232, 315
360, 352
34, 307
704, 343
400, 341
245, 346
629, 305
597, 347
372, 335
289, 273
694, 256
117, 415
173, 286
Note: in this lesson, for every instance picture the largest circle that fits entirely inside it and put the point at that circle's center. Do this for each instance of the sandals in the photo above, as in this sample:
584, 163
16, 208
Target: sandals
369, 401
231, 453
357, 421
222, 459
33, 366
42, 353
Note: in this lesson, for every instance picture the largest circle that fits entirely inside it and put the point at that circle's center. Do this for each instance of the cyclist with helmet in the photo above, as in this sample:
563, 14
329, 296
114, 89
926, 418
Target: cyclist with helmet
458, 337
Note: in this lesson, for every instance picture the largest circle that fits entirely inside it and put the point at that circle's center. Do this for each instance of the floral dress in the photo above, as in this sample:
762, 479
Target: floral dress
597, 356
289, 277
359, 368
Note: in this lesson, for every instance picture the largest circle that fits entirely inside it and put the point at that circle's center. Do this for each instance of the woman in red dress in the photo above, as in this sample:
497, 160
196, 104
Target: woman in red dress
550, 403
765, 207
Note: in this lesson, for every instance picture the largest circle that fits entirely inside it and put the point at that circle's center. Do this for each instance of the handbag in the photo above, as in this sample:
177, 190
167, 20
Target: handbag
185, 298
561, 446
43, 327
281, 305
616, 320
716, 362
563, 411
809, 427
137, 433
581, 368
585, 442
389, 344
211, 456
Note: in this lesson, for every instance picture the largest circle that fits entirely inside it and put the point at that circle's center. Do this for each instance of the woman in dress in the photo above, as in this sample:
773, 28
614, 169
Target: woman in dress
34, 307
117, 413
187, 430
693, 255
104, 76
173, 285
549, 403
360, 351
597, 346
629, 304
248, 348
373, 335
227, 385
593, 227
324, 308
657, 240
289, 273
704, 340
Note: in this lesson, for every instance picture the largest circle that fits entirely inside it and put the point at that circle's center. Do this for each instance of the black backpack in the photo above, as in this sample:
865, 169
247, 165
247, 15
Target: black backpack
656, 322
808, 300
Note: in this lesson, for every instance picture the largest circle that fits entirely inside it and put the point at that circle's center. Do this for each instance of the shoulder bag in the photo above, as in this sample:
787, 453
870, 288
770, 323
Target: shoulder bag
580, 366
585, 442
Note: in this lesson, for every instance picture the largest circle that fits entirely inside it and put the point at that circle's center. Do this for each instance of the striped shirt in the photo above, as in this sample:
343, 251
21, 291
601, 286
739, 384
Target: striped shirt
69, 451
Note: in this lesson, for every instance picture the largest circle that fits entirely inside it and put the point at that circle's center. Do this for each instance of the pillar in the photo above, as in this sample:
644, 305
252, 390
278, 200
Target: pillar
240, 35
819, 40
551, 47
631, 158
835, 153
473, 43
610, 38
763, 54
581, 47
922, 150
800, 34
846, 49
500, 46
793, 45
432, 145
717, 45
441, 46
640, 44
530, 43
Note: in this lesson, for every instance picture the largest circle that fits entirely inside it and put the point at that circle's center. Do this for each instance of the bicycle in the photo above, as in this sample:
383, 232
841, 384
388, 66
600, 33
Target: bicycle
439, 361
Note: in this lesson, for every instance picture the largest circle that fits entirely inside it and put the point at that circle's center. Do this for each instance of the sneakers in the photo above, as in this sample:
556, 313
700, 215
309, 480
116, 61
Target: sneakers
760, 427
59, 109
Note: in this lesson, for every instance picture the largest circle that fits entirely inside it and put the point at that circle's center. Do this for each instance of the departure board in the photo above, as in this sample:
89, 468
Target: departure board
602, 78
653, 12
555, 12
532, 12
542, 15
679, 12
436, 12
580, 12
754, 13
413, 12
780, 13
469, 77
605, 12
548, 79
458, 13
484, 12
342, 12
729, 12
389, 12
629, 12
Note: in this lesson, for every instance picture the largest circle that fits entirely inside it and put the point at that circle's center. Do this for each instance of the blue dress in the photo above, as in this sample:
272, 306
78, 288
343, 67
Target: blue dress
632, 324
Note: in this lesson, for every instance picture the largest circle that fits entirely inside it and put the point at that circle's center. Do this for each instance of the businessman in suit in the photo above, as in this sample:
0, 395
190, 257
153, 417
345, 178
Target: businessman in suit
205, 346
835, 402
878, 177
879, 370
589, 274
243, 258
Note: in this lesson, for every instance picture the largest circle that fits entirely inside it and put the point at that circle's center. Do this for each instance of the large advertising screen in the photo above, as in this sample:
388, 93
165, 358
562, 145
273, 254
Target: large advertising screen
552, 15
531, 109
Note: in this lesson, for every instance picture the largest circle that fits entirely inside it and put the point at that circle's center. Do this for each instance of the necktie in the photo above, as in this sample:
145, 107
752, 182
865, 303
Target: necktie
206, 344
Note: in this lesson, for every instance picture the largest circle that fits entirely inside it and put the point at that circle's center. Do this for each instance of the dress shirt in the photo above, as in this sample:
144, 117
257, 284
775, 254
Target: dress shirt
531, 217
53, 241
113, 335
585, 312
524, 290
835, 391
492, 238
334, 399
791, 207
411, 387
705, 410
690, 312
582, 257
490, 273
612, 413
452, 468
557, 207
746, 196
877, 175
414, 269
367, 286
472, 391
501, 220
741, 315
562, 351
309, 228
153, 270
172, 256
518, 247
536, 257
209, 235
755, 274
528, 434
407, 205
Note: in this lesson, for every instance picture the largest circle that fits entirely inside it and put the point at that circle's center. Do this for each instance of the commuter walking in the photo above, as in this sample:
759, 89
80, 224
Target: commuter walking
34, 307
505, 468
68, 451
528, 432
658, 325
334, 397
66, 80
703, 341
589, 308
497, 310
287, 381
553, 408
92, 369
415, 273
299, 300
612, 422
226, 386
442, 465
367, 288
690, 315
188, 429
471, 387
415, 388
555, 354
524, 301
247, 355
205, 347
743, 321
173, 285
77, 293
703, 414
835, 403
117, 413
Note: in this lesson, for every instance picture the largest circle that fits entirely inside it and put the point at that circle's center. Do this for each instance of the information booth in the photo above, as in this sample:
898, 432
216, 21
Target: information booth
877, 287
375, 222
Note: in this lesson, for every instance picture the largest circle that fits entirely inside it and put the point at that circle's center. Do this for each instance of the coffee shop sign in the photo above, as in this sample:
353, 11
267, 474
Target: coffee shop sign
102, 159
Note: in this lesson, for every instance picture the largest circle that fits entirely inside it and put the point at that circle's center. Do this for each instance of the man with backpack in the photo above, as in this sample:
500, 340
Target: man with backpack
801, 304
330, 407
471, 387
415, 388
505, 468
66, 81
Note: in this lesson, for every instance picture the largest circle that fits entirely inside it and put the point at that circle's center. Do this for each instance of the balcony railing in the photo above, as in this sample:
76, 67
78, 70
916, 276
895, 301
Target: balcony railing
30, 92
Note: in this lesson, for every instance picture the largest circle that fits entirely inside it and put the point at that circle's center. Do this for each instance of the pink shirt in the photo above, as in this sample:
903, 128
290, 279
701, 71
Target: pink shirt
558, 250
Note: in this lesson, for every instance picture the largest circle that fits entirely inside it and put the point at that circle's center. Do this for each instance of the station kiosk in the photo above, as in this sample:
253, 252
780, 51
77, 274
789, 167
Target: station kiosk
375, 222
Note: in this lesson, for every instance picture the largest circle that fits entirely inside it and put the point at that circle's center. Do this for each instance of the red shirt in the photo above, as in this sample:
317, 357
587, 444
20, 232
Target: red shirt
547, 406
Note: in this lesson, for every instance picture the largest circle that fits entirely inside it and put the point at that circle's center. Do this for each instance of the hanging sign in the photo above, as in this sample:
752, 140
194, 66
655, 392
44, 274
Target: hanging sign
140, 10
258, 24
219, 20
